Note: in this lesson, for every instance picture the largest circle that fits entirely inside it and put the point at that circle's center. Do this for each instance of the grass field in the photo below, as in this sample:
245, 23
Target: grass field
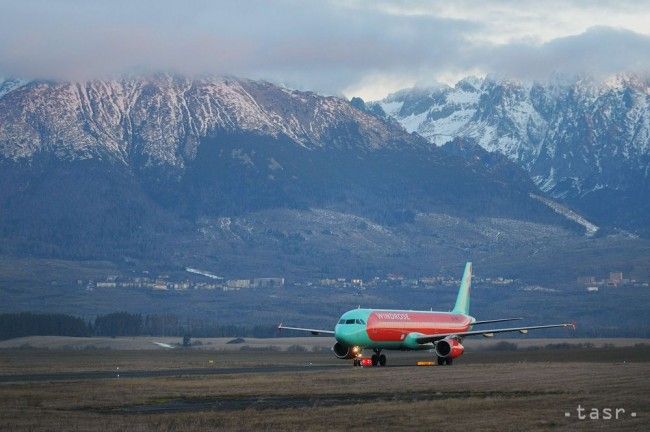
525, 389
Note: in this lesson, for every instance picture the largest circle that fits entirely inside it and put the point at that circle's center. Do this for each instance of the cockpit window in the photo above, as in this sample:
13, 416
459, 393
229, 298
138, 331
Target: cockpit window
352, 321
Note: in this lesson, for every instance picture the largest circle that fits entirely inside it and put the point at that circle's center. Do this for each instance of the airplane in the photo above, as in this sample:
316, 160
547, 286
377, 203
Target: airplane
381, 329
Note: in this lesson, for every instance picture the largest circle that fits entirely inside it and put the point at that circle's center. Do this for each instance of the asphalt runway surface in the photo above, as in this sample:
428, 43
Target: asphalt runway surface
194, 390
194, 404
120, 374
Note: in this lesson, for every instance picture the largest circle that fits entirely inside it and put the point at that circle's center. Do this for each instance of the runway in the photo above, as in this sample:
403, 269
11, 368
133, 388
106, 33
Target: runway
196, 390
126, 374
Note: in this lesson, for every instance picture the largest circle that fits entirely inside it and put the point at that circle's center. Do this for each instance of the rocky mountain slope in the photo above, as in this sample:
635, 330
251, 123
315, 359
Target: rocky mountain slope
135, 167
584, 142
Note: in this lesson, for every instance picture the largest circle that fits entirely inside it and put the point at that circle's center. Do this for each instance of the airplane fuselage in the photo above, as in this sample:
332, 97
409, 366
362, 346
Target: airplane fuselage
396, 329
384, 329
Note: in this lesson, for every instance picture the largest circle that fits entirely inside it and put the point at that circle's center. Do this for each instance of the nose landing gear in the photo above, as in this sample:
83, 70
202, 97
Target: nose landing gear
377, 359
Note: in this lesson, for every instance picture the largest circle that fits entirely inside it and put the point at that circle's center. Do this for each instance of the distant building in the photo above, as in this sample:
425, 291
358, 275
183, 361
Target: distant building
502, 281
268, 282
429, 280
616, 278
587, 280
238, 283
592, 289
357, 282
409, 282
327, 282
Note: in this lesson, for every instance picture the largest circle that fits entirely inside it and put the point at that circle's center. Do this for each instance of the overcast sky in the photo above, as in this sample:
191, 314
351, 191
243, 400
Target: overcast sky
363, 47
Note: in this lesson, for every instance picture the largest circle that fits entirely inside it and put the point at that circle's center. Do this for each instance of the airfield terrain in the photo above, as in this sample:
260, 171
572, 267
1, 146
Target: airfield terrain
296, 384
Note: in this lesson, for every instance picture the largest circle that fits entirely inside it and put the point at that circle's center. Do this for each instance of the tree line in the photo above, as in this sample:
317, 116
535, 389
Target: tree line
13, 325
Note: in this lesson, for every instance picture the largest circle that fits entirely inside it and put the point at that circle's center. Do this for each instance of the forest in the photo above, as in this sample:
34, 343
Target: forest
13, 325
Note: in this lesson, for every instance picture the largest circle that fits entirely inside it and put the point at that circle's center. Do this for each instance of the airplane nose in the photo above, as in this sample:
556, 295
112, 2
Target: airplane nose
346, 336
341, 335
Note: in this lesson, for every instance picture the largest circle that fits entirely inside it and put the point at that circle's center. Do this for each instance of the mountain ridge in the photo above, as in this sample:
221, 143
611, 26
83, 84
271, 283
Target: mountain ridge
115, 168
584, 142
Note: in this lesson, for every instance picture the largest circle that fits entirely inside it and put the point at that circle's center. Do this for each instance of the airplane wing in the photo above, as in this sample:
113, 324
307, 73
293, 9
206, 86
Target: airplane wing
487, 333
308, 330
496, 321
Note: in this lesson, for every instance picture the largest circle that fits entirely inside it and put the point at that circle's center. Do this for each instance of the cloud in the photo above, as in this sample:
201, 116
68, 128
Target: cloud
356, 47
599, 52
515, 20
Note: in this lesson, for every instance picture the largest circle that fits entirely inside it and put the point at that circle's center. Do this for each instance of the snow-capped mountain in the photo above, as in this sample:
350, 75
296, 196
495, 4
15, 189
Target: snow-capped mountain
163, 118
104, 167
585, 142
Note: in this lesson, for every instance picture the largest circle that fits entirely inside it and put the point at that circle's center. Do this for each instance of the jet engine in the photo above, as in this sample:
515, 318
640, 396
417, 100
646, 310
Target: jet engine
343, 351
449, 348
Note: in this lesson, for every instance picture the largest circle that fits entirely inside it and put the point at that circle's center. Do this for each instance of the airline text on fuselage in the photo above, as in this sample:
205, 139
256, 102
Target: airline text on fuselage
394, 316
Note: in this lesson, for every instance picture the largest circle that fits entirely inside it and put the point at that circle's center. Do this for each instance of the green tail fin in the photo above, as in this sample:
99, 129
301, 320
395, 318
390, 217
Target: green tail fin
462, 301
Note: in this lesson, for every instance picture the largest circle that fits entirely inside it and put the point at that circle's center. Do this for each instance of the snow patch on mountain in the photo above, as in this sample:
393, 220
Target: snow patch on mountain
590, 228
573, 137
163, 118
7, 85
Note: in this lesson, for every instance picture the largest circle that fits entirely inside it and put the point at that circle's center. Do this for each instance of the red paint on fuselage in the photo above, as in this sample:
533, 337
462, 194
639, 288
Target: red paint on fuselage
393, 326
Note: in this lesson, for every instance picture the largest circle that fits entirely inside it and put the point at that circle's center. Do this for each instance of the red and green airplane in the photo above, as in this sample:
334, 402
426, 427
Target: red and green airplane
380, 329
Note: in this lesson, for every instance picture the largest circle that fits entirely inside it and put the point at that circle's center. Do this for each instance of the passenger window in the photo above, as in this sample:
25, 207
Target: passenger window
361, 321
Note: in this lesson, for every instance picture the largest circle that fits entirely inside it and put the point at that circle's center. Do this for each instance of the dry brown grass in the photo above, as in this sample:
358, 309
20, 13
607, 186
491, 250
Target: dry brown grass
516, 394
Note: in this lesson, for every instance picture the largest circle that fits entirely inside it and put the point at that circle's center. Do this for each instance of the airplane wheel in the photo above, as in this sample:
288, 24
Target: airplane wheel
356, 362
450, 361
382, 360
375, 359
441, 361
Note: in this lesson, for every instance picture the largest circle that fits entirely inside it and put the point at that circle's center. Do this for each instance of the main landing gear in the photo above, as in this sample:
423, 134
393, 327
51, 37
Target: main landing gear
445, 361
378, 359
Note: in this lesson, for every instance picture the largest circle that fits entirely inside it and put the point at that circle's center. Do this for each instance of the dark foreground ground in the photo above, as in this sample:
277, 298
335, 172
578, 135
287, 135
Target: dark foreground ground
191, 390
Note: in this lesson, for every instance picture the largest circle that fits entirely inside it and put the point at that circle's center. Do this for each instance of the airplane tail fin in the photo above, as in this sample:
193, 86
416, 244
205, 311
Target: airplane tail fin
462, 301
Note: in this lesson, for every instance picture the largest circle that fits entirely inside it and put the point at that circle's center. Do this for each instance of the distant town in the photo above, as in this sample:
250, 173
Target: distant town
615, 279
205, 280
